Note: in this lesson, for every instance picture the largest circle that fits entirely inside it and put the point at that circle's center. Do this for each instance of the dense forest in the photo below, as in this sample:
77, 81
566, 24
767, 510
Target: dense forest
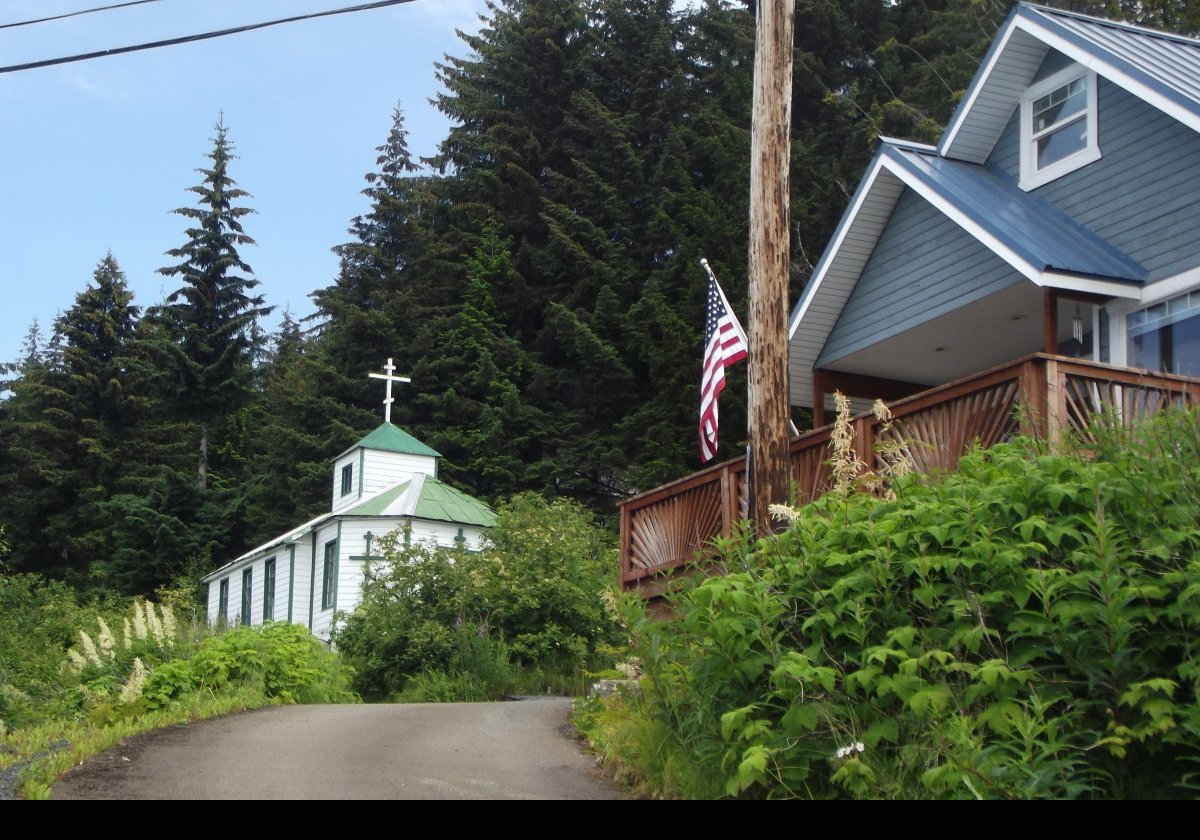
538, 279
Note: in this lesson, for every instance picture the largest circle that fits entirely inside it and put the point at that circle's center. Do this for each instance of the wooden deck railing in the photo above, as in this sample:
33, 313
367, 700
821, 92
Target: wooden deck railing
669, 527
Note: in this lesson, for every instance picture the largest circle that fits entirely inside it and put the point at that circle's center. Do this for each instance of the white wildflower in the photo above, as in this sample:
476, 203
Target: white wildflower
168, 623
128, 634
89, 649
156, 628
77, 662
133, 686
850, 751
139, 620
631, 668
108, 645
784, 513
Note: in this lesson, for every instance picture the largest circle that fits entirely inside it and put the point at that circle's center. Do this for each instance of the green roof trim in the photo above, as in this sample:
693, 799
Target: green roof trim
441, 501
389, 438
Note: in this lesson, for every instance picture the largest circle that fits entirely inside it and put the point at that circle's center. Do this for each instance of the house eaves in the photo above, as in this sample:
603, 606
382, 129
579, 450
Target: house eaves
1162, 69
1030, 234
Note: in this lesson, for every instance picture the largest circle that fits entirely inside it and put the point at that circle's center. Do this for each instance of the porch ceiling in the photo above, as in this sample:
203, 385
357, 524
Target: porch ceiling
989, 332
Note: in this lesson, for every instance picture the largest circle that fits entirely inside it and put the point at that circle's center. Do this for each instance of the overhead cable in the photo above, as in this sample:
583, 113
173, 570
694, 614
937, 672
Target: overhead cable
74, 14
203, 36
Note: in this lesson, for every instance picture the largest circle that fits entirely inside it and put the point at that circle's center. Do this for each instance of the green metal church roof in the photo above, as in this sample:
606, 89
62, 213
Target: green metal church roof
389, 438
435, 500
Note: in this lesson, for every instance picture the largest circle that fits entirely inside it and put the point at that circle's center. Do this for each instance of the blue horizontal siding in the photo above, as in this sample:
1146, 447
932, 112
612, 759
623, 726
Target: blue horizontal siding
923, 266
1142, 196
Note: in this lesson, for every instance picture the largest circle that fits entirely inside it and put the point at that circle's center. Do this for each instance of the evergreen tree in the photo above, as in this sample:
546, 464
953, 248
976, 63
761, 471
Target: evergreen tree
470, 388
106, 404
212, 319
36, 486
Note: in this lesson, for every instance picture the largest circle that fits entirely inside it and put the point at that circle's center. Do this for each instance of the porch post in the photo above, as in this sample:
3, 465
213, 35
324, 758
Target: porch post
818, 396
1050, 321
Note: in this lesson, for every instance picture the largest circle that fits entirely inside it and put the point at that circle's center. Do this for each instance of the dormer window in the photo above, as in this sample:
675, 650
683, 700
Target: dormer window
347, 479
1058, 126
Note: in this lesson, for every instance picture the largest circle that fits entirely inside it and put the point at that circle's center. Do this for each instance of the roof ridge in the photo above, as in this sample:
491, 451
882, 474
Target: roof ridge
1115, 24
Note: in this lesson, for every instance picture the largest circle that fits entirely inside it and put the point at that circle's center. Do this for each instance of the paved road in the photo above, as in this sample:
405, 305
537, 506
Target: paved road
518, 750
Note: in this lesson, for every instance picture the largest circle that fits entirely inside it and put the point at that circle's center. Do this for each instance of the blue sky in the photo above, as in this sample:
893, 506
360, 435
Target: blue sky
96, 154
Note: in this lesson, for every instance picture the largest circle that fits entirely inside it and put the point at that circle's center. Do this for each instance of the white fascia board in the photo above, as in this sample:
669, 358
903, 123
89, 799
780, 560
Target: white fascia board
835, 244
1111, 70
1184, 281
1092, 285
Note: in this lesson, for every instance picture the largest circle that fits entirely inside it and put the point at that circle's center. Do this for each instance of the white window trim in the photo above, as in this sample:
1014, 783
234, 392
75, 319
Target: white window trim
1032, 177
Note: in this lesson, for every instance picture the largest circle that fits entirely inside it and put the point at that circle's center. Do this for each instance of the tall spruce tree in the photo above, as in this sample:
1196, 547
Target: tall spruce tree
212, 320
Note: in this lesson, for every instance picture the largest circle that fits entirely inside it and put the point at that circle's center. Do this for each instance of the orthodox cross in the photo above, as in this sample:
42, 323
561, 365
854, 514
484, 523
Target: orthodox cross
387, 376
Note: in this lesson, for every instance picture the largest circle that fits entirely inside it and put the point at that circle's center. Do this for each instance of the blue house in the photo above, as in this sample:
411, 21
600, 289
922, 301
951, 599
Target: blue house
1037, 266
1058, 214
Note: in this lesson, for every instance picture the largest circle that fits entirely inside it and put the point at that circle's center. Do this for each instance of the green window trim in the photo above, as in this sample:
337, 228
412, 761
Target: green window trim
223, 600
291, 578
347, 479
329, 579
247, 586
268, 609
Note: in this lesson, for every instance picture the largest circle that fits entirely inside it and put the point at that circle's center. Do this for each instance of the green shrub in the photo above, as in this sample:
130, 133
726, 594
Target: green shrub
283, 661
535, 590
1024, 627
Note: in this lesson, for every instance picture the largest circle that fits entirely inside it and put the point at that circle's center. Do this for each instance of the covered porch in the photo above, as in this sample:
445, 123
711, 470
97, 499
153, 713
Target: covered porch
1043, 395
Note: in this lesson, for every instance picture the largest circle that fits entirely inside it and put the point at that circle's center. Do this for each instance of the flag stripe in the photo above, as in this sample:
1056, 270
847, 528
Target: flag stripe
724, 344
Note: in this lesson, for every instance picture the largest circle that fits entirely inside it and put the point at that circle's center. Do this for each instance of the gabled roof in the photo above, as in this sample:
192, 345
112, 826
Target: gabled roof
389, 438
1160, 68
425, 497
1030, 228
1039, 241
421, 497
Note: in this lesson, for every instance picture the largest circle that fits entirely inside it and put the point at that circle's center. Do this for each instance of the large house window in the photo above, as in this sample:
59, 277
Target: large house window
1166, 336
347, 479
1058, 126
269, 590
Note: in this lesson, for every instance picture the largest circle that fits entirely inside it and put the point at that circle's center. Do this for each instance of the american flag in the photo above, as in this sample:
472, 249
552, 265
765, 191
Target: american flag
724, 344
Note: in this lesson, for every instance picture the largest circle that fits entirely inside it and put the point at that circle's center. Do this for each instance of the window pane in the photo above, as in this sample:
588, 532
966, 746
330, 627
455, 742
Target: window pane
246, 587
1059, 144
1060, 104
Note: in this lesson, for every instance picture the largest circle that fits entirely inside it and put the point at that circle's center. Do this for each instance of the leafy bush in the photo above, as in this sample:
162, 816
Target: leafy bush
283, 661
38, 622
1024, 627
533, 593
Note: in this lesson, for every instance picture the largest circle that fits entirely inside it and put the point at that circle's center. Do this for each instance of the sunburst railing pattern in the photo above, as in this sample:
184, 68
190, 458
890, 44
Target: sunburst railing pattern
668, 528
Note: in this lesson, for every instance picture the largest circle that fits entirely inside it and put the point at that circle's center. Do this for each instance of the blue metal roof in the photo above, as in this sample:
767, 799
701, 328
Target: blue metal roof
1161, 68
1168, 63
1029, 225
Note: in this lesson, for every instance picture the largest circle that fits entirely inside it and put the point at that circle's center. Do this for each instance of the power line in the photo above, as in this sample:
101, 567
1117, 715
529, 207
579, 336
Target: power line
203, 36
73, 14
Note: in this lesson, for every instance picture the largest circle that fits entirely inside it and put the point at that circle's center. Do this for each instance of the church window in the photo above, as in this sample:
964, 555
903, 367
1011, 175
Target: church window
269, 590
347, 479
329, 587
247, 581
223, 600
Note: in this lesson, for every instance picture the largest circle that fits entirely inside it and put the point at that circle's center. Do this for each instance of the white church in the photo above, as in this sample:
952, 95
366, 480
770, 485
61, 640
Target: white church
388, 481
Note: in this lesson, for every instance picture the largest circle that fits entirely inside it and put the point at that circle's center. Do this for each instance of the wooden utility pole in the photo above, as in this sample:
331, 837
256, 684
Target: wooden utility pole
767, 468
